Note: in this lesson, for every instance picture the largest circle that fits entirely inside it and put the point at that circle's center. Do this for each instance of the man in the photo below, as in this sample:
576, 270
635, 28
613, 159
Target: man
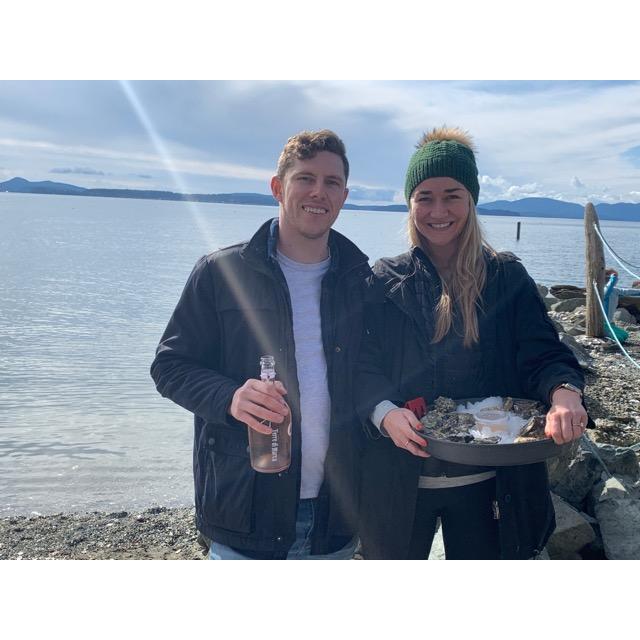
295, 291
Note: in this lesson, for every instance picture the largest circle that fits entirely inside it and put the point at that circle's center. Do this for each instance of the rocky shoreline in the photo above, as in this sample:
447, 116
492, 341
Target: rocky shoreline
596, 485
158, 533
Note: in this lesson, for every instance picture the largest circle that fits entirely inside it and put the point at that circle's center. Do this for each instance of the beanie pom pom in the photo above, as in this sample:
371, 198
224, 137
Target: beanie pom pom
439, 134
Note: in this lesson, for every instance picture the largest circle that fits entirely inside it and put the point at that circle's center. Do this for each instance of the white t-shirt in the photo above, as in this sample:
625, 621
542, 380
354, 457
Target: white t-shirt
305, 282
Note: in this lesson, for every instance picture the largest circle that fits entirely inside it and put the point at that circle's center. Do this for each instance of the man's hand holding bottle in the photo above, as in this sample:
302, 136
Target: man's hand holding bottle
257, 400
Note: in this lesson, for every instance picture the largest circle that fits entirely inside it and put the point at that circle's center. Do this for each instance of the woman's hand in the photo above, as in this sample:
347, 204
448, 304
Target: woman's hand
398, 424
567, 418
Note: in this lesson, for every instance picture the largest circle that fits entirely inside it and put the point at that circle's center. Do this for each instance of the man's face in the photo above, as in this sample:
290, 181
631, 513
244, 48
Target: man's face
311, 195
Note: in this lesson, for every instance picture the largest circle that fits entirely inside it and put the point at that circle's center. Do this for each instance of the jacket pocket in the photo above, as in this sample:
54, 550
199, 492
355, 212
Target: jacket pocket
248, 331
228, 490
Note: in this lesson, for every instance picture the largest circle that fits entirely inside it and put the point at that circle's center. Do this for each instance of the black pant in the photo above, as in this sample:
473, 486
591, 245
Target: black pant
469, 528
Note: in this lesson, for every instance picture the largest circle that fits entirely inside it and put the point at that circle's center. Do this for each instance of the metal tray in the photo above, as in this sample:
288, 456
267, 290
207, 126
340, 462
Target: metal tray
492, 455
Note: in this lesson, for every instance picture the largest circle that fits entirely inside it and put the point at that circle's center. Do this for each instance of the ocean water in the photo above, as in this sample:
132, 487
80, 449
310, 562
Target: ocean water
87, 286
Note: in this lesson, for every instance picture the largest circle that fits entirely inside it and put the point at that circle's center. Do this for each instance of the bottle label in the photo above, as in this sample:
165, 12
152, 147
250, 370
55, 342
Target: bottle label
274, 444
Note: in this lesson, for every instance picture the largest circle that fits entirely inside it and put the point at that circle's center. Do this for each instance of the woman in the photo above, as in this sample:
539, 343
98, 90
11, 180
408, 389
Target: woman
456, 319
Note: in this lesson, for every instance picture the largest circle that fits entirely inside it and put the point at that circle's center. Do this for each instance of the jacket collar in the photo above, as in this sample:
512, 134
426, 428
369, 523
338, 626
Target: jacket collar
261, 250
397, 274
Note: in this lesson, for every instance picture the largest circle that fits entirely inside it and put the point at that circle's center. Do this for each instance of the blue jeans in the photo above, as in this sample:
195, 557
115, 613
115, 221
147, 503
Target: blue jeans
301, 547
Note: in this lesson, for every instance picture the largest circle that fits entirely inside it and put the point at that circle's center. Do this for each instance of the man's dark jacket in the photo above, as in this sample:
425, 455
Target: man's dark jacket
235, 308
518, 355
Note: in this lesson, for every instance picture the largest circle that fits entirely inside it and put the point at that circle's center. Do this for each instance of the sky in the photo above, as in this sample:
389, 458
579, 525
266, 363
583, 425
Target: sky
576, 141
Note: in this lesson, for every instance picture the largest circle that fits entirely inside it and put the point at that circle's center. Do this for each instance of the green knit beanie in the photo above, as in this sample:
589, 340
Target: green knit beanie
443, 159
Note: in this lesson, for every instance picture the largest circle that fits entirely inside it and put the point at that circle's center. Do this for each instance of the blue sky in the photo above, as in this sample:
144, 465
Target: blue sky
574, 141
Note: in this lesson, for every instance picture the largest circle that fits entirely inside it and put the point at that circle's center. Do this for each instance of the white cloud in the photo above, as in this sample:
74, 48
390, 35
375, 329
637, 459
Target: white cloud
137, 160
543, 135
499, 188
577, 183
398, 198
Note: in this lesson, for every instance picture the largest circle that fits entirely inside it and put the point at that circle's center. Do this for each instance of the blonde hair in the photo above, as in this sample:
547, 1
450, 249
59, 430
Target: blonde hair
463, 289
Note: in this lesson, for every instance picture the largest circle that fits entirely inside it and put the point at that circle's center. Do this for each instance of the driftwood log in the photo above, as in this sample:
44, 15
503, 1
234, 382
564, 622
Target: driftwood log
594, 260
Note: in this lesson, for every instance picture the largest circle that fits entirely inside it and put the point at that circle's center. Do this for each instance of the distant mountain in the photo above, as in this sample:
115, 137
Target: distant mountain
534, 207
550, 208
20, 185
400, 208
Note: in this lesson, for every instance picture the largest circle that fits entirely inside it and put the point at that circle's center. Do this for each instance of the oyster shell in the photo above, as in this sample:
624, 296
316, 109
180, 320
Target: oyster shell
466, 420
487, 440
526, 408
444, 405
431, 420
461, 436
533, 430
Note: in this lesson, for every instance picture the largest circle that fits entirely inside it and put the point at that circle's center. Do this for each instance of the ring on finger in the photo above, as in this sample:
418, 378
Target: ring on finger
406, 444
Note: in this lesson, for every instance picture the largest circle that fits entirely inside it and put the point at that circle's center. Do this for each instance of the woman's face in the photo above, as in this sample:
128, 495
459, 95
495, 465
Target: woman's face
440, 208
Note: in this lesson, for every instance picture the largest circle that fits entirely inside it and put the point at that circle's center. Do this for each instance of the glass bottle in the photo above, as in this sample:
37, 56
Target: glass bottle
271, 453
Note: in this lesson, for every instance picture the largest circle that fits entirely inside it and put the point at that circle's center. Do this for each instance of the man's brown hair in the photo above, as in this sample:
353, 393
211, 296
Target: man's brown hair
307, 144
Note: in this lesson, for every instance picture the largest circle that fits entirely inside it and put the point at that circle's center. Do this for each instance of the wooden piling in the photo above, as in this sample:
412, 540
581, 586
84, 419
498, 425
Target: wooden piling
594, 261
518, 232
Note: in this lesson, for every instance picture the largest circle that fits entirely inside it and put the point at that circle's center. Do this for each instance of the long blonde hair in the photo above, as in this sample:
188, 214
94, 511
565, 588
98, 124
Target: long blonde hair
463, 288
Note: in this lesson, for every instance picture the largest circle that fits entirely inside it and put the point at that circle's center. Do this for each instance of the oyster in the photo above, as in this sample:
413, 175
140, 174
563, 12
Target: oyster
444, 405
431, 420
461, 436
533, 430
526, 408
466, 420
488, 440
450, 422
448, 425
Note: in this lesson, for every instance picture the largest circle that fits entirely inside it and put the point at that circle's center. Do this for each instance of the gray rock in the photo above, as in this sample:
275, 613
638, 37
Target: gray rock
618, 514
573, 474
571, 534
543, 555
581, 354
437, 547
569, 304
622, 316
620, 460
576, 330
567, 291
549, 302
542, 290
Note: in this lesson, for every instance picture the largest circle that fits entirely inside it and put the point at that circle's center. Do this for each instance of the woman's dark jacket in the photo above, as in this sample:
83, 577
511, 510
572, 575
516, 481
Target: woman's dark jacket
235, 308
518, 354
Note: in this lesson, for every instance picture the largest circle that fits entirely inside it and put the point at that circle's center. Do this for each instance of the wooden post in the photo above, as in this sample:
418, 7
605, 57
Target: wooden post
518, 232
594, 255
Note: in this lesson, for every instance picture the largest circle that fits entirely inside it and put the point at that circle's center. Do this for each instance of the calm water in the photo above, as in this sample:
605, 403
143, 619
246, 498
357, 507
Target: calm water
88, 285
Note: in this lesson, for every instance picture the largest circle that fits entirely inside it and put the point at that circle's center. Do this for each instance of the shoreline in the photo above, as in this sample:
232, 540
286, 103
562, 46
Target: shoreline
157, 533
